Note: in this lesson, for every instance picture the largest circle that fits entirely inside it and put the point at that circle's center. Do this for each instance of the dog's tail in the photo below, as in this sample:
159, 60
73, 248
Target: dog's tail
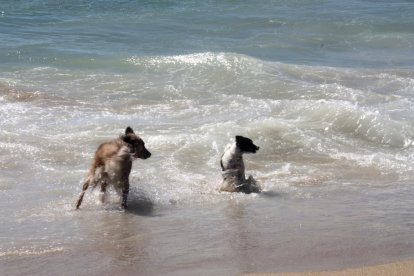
85, 186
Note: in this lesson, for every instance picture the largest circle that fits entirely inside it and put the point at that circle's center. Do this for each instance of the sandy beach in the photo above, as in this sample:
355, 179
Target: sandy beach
391, 269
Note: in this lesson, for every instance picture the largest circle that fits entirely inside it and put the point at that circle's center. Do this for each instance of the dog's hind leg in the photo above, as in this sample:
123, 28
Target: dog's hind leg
84, 188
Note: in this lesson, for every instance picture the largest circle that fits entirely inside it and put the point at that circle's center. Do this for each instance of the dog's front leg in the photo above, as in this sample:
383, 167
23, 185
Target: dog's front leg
125, 191
103, 184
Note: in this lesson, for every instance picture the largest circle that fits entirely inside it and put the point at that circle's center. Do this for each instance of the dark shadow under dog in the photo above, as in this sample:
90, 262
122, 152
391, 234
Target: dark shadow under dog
139, 203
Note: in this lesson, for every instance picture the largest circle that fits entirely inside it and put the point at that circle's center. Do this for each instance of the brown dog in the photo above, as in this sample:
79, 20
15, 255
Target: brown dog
112, 165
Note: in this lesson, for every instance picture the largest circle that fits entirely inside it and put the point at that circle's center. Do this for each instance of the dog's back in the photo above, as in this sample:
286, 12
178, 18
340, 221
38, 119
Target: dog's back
114, 160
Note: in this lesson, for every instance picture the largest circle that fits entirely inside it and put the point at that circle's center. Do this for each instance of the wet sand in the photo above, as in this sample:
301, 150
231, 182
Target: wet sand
392, 269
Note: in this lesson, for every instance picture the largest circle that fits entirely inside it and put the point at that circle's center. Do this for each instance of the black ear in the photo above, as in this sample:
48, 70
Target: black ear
128, 130
127, 139
241, 140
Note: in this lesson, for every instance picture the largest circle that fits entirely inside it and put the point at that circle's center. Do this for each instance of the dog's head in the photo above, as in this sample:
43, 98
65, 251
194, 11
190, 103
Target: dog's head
246, 145
136, 144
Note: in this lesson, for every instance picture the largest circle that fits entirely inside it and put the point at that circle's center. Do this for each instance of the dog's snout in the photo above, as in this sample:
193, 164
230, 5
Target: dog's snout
147, 154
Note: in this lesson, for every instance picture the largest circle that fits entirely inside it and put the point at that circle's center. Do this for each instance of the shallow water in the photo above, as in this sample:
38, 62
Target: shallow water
330, 105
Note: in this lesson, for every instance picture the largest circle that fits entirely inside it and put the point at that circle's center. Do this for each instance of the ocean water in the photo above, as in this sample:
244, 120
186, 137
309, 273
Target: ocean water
325, 88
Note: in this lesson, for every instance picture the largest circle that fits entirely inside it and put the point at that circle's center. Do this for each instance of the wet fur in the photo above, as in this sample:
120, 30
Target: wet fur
233, 170
112, 165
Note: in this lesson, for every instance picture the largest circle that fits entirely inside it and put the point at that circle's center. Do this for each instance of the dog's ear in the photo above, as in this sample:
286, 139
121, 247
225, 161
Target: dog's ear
240, 140
127, 139
128, 130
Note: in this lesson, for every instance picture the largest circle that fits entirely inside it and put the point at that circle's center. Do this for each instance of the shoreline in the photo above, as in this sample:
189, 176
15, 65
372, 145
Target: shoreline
389, 269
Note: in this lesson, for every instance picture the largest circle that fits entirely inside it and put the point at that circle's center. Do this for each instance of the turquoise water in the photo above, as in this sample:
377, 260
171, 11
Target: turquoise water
84, 34
325, 88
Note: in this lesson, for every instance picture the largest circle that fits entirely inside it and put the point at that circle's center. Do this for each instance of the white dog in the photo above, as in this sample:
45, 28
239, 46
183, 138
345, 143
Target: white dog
232, 165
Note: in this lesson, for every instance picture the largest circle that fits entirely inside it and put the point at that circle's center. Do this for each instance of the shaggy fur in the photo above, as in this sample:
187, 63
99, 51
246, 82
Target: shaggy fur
233, 170
112, 165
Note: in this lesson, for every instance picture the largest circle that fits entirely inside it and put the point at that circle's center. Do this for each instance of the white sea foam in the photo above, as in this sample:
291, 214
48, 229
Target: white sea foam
28, 251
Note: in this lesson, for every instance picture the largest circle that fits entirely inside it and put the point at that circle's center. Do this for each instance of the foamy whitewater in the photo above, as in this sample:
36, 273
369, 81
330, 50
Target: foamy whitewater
325, 88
